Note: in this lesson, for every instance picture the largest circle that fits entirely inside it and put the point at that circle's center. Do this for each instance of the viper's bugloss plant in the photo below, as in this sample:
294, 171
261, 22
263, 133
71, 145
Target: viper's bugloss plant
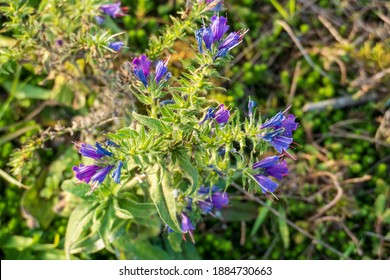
179, 158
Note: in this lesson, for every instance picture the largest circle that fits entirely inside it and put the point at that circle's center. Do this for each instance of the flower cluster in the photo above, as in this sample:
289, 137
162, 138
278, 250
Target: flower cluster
141, 68
113, 10
206, 200
98, 172
278, 131
212, 36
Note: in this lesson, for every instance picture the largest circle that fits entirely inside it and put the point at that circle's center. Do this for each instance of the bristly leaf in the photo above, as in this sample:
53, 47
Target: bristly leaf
163, 196
152, 123
79, 221
182, 159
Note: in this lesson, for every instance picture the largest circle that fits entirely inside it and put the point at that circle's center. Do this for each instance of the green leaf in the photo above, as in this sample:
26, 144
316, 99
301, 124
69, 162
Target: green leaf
25, 91
263, 212
162, 194
79, 221
80, 190
386, 216
283, 227
17, 242
380, 205
152, 123
142, 250
239, 211
175, 240
181, 157
137, 209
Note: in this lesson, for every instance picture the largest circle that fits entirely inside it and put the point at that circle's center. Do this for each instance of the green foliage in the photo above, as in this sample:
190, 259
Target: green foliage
45, 85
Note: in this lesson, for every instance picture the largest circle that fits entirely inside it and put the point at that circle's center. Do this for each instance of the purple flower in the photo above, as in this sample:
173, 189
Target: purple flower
222, 115
232, 40
204, 35
101, 174
88, 150
208, 38
186, 225
113, 10
85, 172
116, 46
59, 42
277, 171
218, 27
266, 184
289, 125
210, 198
270, 166
161, 70
141, 68
220, 200
116, 175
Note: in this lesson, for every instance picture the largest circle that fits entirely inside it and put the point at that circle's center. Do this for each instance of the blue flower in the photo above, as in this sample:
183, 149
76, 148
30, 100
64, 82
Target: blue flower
110, 143
266, 184
199, 38
278, 131
102, 174
99, 20
251, 105
101, 151
209, 115
205, 206
161, 70
116, 46
116, 174
275, 121
267, 162
166, 102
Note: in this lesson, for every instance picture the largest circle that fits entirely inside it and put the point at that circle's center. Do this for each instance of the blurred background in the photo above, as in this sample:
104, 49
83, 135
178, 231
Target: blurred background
330, 60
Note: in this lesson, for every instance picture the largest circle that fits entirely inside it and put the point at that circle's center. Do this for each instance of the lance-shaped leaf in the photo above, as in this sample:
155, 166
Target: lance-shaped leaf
152, 123
162, 194
79, 221
182, 158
